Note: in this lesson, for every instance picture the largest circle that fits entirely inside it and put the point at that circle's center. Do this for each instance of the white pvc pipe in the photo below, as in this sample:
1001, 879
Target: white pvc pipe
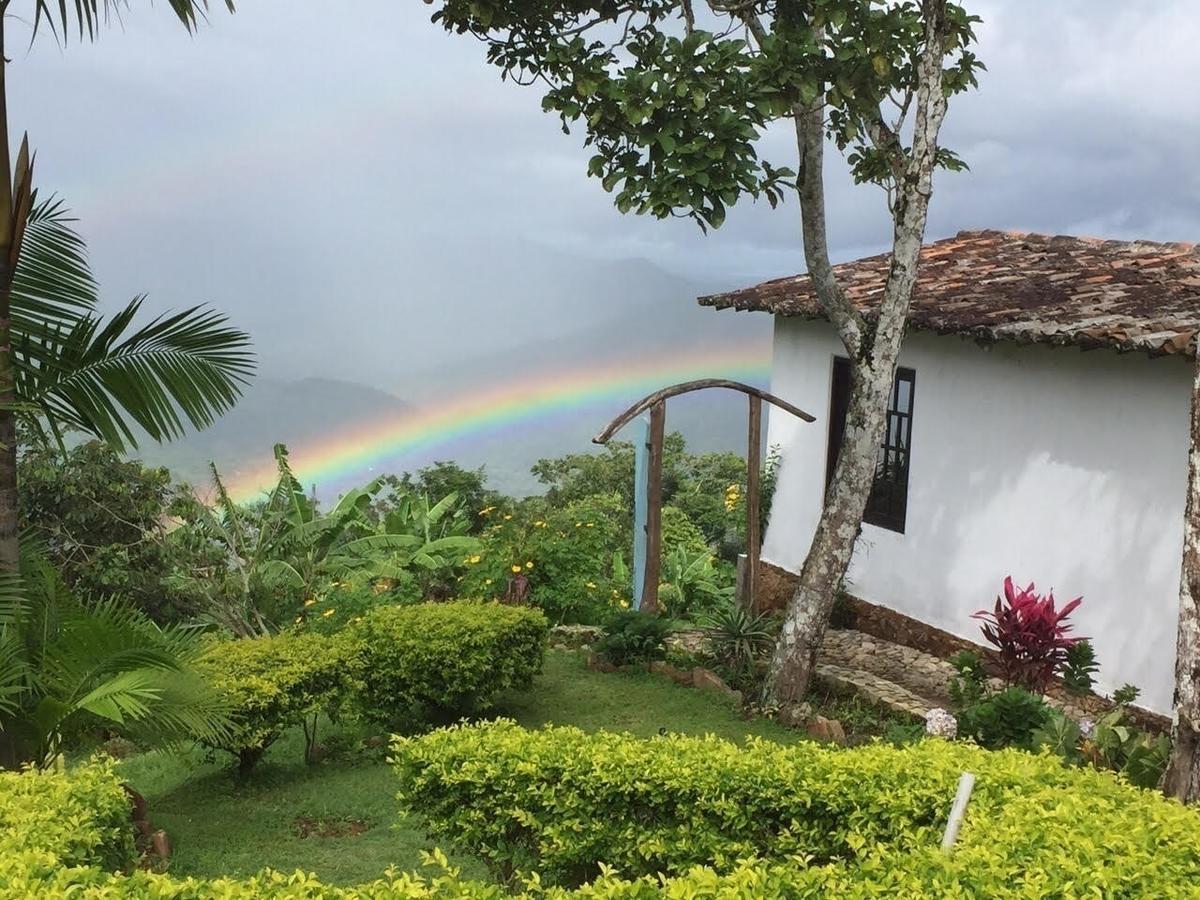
966, 784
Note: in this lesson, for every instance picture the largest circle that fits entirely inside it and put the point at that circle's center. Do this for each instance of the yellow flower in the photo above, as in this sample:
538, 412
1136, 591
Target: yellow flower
529, 565
516, 569
474, 559
357, 619
539, 524
591, 524
486, 510
327, 614
487, 581
298, 620
309, 602
624, 604
591, 584
578, 524
506, 518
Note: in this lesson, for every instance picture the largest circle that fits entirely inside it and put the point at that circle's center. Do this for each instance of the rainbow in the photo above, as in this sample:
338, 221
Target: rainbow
613, 385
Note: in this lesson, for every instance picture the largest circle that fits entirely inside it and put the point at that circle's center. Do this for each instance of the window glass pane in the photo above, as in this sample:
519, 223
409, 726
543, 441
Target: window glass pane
903, 395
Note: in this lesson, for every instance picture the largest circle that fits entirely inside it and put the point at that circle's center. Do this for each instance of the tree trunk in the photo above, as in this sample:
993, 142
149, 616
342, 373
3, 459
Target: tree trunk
10, 548
873, 346
1183, 773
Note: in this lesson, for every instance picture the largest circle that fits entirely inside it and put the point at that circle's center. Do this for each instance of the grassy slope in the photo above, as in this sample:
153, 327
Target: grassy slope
219, 826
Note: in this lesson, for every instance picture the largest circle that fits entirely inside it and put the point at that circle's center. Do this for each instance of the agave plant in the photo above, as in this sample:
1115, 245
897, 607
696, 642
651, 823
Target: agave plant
67, 665
738, 638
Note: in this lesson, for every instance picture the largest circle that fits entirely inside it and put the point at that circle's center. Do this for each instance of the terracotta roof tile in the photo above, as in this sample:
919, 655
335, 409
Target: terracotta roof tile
1031, 288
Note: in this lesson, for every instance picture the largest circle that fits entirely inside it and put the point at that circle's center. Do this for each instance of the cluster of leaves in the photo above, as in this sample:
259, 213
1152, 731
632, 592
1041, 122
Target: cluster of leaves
1112, 742
631, 638
100, 522
272, 560
674, 118
866, 821
69, 666
739, 639
1030, 635
271, 684
439, 661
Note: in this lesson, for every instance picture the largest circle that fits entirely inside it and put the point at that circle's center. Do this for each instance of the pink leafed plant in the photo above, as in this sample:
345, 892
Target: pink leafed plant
1030, 633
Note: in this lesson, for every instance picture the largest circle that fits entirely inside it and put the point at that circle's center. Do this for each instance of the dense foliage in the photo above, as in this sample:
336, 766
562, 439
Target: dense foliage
632, 638
272, 683
100, 520
69, 667
438, 661
1033, 828
868, 820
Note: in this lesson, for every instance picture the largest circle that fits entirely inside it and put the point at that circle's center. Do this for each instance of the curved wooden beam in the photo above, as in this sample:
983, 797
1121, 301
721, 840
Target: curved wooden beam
686, 388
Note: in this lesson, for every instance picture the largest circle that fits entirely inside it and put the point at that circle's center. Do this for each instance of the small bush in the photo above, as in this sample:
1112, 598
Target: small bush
60, 819
865, 821
1007, 718
633, 638
273, 683
1030, 635
440, 661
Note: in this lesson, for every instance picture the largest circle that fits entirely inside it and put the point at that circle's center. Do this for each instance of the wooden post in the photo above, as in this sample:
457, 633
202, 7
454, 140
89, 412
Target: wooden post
641, 474
658, 416
753, 538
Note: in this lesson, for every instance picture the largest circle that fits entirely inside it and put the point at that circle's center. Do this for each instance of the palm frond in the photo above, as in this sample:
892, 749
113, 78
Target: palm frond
101, 378
53, 281
86, 16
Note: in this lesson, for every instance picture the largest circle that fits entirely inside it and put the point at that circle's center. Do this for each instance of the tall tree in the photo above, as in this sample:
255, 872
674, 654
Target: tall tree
674, 99
1183, 773
189, 363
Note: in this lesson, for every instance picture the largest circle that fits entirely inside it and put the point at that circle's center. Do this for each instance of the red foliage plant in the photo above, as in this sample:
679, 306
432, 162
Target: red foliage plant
1030, 634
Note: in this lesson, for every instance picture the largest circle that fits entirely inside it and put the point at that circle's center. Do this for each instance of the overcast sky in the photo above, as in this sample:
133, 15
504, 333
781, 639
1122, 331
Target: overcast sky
294, 150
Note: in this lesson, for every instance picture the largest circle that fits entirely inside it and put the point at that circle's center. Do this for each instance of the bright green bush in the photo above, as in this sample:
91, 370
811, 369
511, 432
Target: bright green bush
1033, 830
273, 683
561, 802
437, 661
51, 819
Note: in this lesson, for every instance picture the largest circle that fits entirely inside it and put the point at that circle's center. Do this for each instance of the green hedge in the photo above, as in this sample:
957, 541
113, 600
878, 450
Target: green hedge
562, 802
273, 683
439, 661
1029, 833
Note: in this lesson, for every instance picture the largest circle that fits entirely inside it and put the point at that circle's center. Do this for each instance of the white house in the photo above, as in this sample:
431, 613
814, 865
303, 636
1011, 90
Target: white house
1010, 450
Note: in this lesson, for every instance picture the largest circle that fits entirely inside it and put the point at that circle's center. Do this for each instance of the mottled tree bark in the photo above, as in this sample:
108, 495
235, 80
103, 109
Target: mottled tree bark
10, 550
1183, 773
872, 344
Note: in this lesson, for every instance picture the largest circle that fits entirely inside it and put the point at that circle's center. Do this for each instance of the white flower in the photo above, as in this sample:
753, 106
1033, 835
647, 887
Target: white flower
1087, 727
939, 723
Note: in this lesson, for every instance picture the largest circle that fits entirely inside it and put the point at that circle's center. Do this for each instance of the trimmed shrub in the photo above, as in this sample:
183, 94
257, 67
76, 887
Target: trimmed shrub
273, 683
51, 819
440, 661
1028, 834
865, 821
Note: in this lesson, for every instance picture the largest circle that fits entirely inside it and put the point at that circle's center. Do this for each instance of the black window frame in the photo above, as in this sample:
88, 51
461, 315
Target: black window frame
887, 505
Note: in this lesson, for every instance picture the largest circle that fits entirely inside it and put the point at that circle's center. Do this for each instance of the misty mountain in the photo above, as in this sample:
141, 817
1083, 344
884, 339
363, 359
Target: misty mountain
547, 315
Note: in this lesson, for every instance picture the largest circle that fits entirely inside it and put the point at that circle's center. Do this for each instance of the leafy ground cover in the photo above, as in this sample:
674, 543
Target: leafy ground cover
339, 817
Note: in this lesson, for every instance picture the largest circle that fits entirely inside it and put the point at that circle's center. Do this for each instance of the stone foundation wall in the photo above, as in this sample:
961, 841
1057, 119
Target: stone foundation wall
775, 589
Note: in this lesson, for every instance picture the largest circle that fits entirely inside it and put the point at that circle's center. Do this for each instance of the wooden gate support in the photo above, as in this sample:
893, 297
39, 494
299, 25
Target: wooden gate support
656, 403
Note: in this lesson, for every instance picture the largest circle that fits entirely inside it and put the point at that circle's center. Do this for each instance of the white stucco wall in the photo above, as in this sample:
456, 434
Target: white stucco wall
1057, 466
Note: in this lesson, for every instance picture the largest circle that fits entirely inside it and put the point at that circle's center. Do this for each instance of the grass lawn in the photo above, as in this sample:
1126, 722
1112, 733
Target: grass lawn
220, 826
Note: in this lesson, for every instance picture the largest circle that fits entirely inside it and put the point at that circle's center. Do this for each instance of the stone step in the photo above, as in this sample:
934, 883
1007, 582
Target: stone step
874, 689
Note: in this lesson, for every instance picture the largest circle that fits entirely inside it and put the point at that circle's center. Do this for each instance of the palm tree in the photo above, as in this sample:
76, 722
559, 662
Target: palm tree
81, 373
67, 665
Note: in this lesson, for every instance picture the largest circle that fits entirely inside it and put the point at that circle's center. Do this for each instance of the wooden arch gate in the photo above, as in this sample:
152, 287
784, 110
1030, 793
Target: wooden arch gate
648, 481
